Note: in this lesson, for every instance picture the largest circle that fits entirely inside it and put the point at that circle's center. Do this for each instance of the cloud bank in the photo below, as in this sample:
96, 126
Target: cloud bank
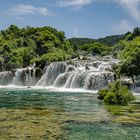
75, 3
132, 6
28, 9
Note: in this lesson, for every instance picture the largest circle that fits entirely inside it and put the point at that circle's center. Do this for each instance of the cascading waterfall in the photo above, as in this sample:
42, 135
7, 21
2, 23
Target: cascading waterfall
81, 74
17, 79
52, 72
89, 75
24, 77
6, 77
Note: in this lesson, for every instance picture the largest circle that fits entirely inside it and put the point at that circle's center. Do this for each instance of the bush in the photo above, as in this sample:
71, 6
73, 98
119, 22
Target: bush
110, 98
102, 93
116, 94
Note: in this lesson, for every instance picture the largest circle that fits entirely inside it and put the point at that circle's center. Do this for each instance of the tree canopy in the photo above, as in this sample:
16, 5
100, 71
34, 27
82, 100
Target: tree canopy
21, 46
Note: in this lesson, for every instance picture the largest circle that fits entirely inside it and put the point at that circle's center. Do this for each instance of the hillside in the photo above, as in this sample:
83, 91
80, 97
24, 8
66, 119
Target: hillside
111, 40
76, 42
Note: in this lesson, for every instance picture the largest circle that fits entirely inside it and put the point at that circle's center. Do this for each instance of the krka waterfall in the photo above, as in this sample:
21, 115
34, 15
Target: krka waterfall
90, 74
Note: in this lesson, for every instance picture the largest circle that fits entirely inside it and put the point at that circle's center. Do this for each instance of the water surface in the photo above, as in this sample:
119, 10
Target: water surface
28, 113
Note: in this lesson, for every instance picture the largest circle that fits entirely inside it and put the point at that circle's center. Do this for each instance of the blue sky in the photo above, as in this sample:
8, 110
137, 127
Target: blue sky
77, 18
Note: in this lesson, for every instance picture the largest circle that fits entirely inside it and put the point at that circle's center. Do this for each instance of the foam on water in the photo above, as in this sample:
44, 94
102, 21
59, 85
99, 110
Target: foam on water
50, 88
87, 75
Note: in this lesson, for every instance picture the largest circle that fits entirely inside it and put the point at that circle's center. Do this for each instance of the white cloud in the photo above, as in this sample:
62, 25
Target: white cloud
43, 11
122, 27
76, 3
28, 9
132, 6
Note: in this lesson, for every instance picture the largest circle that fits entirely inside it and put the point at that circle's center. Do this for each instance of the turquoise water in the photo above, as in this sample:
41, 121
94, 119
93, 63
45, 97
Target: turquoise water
58, 115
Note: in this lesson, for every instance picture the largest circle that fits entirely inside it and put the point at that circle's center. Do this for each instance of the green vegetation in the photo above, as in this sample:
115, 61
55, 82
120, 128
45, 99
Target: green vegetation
117, 101
116, 94
32, 123
89, 46
19, 47
125, 114
117, 97
130, 56
95, 48
128, 51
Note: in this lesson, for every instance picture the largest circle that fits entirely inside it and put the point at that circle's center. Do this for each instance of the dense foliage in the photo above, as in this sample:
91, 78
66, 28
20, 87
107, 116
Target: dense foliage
87, 46
128, 51
21, 47
131, 59
116, 93
95, 48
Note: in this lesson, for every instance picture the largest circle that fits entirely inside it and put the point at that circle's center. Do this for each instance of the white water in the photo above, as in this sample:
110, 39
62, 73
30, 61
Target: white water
83, 75
6, 77
24, 77
18, 77
52, 72
87, 75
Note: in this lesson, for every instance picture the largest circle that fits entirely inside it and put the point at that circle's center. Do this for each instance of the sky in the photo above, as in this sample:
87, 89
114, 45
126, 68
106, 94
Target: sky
77, 18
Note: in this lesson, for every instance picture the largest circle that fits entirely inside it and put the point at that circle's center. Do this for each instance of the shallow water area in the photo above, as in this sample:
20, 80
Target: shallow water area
53, 113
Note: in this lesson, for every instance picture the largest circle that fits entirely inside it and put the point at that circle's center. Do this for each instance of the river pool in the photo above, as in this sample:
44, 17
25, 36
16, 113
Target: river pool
33, 113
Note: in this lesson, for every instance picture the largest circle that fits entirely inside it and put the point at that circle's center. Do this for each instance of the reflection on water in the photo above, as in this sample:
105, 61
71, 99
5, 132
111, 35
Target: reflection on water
44, 114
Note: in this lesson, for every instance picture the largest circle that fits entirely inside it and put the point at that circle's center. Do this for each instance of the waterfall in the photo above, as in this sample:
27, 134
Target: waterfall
89, 75
6, 77
52, 72
17, 79
24, 77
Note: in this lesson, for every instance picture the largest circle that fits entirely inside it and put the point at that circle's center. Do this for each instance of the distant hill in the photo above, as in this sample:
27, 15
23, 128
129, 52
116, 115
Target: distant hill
76, 42
108, 40
111, 40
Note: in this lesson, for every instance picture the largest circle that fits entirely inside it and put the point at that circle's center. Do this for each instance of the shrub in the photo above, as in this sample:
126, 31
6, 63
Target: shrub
110, 98
116, 94
102, 93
